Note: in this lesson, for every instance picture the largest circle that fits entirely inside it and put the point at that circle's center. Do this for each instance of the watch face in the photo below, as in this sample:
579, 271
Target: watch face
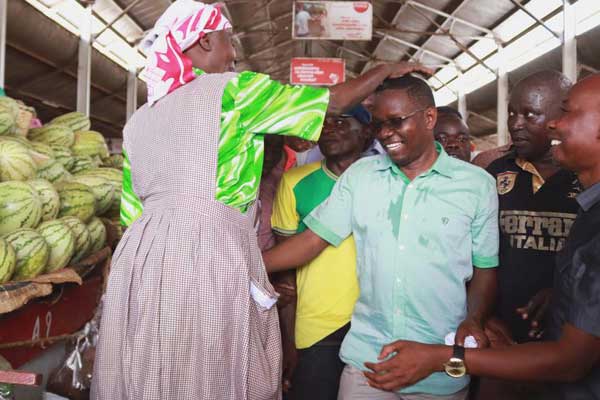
455, 368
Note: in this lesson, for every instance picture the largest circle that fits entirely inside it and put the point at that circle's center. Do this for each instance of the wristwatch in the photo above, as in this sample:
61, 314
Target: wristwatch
455, 367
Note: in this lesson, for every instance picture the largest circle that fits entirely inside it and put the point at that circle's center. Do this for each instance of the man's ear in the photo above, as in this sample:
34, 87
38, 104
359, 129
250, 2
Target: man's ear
205, 43
431, 117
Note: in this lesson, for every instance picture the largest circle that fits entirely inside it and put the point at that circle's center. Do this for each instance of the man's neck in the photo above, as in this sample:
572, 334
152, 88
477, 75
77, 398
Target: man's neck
422, 164
545, 165
338, 165
589, 177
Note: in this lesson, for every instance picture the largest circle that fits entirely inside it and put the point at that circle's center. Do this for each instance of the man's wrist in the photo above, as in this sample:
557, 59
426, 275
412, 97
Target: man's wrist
442, 355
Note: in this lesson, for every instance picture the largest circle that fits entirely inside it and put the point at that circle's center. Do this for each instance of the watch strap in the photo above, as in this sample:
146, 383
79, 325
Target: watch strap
458, 352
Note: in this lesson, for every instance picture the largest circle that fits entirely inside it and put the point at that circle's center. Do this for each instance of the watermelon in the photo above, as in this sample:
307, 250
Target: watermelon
114, 176
64, 156
16, 163
10, 105
49, 198
61, 243
18, 139
32, 253
52, 134
42, 148
83, 239
97, 233
8, 261
7, 122
103, 190
82, 164
77, 200
20, 206
75, 120
90, 143
114, 161
53, 171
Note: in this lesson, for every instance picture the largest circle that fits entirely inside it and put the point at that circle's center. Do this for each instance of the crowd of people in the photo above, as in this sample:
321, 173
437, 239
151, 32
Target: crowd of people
384, 263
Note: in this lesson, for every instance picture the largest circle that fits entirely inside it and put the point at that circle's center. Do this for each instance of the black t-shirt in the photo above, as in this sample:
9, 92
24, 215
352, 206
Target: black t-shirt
576, 298
533, 228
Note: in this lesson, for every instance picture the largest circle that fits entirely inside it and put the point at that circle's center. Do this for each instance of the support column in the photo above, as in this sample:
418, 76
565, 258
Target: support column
462, 99
132, 85
502, 103
84, 70
3, 12
569, 48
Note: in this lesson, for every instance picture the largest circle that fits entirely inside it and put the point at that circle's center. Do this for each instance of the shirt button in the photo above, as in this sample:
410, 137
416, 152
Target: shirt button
405, 216
401, 247
398, 280
398, 312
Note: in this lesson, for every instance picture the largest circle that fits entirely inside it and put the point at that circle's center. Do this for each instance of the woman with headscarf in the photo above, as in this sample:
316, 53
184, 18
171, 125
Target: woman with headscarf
188, 311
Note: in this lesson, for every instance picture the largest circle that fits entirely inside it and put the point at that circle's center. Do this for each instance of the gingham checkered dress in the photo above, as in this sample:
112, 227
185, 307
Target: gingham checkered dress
179, 321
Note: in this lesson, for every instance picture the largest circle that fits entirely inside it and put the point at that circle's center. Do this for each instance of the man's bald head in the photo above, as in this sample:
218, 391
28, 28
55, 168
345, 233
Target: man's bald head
534, 101
577, 131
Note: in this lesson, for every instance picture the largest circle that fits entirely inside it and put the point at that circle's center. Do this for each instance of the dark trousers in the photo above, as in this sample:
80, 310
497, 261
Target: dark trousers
317, 375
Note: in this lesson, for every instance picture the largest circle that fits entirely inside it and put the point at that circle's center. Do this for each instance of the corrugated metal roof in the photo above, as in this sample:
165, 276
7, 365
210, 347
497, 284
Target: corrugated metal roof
41, 55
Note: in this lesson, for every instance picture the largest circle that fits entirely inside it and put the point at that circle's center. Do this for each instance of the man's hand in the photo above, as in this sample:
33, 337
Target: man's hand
287, 293
498, 333
535, 311
290, 360
403, 68
472, 327
411, 362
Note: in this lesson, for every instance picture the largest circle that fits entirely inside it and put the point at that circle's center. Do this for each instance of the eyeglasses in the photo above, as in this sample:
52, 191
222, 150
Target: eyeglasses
394, 123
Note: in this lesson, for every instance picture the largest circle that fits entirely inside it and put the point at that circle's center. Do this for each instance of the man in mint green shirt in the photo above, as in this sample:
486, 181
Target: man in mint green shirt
425, 225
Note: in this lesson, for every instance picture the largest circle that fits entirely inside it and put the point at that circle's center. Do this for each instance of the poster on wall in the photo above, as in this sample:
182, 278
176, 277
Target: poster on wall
317, 71
333, 20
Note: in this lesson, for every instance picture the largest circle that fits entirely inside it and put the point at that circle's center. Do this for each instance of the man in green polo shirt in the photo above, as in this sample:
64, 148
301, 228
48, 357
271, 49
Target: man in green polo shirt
424, 224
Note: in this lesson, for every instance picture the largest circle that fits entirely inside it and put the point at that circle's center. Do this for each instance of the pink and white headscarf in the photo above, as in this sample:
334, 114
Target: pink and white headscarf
179, 28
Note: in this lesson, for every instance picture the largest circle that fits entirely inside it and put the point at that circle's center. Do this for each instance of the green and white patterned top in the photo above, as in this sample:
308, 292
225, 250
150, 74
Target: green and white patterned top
252, 105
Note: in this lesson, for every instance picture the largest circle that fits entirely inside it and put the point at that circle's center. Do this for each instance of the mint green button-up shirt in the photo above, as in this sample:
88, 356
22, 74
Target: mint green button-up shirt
416, 244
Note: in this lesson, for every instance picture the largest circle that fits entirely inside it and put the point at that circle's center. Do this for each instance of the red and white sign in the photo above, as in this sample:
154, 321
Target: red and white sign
317, 71
333, 20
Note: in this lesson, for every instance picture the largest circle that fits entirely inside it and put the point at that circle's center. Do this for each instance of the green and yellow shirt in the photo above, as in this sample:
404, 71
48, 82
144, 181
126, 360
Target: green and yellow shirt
253, 105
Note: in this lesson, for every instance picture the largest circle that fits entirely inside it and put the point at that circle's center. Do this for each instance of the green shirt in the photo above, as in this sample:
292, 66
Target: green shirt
416, 245
252, 105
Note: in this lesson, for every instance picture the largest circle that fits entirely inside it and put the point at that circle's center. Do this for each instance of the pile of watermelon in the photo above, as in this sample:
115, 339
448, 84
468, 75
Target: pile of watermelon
55, 184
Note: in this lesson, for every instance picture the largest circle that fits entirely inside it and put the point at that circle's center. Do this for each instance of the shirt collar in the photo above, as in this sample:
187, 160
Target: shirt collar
442, 166
589, 197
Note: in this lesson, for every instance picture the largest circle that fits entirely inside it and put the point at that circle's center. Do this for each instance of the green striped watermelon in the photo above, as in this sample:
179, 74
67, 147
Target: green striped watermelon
32, 253
49, 198
61, 243
75, 120
77, 200
114, 161
97, 233
42, 148
7, 122
20, 206
90, 143
64, 156
10, 105
53, 171
52, 134
83, 239
82, 164
18, 139
16, 163
114, 176
8, 261
103, 190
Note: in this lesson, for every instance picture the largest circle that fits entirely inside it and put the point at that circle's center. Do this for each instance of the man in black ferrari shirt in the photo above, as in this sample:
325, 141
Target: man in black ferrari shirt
537, 202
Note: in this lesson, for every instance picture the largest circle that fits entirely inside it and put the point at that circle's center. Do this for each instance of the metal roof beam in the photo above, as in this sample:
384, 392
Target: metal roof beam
123, 12
536, 19
268, 49
452, 17
414, 46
